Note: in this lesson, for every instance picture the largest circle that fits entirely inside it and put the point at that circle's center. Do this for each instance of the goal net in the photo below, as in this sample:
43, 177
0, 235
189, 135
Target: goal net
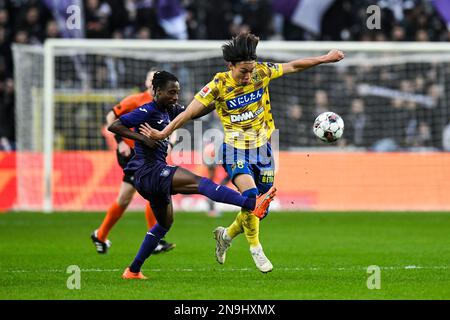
394, 99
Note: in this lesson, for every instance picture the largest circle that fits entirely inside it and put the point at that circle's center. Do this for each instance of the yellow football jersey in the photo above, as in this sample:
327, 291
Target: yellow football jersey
244, 110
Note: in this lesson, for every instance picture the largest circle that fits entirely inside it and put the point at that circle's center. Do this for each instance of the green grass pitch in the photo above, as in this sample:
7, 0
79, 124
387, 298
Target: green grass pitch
315, 256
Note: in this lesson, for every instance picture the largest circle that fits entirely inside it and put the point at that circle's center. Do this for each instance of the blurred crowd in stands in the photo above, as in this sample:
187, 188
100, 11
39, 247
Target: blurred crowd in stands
385, 107
33, 21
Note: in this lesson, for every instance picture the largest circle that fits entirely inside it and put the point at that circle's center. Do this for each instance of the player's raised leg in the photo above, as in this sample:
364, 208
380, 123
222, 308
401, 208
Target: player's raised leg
186, 182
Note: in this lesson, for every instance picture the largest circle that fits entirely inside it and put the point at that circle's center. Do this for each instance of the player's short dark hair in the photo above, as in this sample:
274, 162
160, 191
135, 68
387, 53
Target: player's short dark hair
161, 78
241, 48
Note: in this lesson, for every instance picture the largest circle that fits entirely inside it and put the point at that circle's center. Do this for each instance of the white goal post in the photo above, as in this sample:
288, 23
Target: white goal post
392, 96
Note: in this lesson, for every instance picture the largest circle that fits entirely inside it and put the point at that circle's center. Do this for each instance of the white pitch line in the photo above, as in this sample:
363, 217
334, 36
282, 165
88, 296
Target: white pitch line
356, 268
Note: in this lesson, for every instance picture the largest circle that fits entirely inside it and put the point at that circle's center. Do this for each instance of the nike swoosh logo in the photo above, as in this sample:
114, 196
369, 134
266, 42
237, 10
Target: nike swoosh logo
151, 234
143, 109
160, 121
217, 188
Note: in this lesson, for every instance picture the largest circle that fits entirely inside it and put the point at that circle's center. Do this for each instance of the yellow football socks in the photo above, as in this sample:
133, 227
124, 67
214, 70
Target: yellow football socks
236, 227
245, 222
250, 223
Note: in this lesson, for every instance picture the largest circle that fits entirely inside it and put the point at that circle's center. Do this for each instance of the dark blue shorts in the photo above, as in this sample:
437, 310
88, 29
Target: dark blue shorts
259, 163
154, 183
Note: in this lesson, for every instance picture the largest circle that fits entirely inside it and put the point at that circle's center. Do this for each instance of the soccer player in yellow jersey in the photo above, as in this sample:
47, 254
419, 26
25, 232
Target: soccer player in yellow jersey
242, 102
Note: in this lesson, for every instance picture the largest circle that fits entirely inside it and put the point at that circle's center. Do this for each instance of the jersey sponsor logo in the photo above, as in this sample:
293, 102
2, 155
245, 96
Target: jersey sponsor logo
242, 117
245, 99
246, 115
205, 91
143, 109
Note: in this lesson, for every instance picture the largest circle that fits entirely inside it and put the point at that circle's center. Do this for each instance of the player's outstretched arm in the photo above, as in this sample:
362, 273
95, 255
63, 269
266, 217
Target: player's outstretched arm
208, 109
193, 111
306, 63
118, 128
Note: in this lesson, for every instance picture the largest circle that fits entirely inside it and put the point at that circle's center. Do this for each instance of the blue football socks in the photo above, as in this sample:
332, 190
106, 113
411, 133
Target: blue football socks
149, 244
224, 194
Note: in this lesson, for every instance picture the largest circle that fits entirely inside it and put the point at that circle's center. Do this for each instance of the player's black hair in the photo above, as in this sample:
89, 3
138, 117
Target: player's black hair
161, 78
240, 48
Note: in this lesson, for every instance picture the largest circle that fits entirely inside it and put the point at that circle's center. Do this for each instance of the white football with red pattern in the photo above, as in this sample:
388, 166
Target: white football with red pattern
328, 126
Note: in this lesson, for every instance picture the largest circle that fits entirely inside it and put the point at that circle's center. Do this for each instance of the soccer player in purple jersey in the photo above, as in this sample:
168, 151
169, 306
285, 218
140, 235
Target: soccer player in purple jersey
155, 180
